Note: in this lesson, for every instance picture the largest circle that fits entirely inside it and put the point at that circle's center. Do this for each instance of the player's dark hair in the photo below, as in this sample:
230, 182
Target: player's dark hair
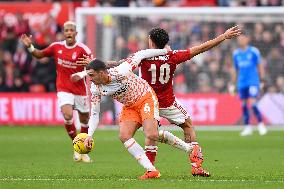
96, 65
159, 36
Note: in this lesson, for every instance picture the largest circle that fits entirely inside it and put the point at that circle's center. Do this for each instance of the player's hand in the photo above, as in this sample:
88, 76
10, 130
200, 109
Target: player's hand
75, 77
111, 64
83, 61
26, 40
88, 142
232, 89
232, 32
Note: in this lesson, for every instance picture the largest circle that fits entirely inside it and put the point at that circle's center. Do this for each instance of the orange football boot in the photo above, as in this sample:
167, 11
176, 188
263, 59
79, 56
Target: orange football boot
199, 171
150, 175
196, 159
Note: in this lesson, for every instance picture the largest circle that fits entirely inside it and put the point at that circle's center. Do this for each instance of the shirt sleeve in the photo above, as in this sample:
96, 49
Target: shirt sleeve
49, 51
180, 56
122, 70
137, 57
95, 111
87, 51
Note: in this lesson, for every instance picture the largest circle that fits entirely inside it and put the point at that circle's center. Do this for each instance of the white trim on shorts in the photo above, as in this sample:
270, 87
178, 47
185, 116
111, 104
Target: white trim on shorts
79, 102
156, 106
175, 114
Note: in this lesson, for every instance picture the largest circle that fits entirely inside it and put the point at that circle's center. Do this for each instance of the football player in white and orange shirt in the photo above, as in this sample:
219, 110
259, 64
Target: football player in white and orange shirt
158, 72
140, 104
70, 96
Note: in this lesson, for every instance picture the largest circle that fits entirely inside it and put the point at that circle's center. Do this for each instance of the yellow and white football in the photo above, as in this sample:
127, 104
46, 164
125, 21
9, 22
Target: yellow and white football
78, 144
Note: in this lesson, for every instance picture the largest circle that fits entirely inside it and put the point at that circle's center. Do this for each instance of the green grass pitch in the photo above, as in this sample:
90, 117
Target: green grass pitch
41, 157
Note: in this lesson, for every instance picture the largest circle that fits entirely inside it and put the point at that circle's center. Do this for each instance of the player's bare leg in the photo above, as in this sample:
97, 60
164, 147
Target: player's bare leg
150, 128
188, 131
67, 112
84, 118
195, 156
151, 139
127, 130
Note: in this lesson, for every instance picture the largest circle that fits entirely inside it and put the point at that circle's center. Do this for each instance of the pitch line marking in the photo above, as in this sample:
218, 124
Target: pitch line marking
131, 179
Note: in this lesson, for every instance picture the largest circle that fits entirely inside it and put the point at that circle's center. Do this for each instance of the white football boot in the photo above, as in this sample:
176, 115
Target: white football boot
247, 131
77, 157
86, 158
262, 130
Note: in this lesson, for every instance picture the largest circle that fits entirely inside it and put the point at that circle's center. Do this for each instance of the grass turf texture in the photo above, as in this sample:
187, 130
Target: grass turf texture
41, 157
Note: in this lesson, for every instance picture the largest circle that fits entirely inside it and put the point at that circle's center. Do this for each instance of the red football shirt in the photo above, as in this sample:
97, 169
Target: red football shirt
65, 56
159, 71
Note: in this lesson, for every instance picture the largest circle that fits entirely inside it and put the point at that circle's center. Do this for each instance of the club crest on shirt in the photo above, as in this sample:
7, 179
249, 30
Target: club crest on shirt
74, 55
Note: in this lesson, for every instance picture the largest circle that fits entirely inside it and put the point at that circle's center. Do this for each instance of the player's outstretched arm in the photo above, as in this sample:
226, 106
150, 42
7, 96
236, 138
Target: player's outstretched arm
27, 41
230, 33
94, 119
148, 53
135, 60
85, 60
78, 76
113, 63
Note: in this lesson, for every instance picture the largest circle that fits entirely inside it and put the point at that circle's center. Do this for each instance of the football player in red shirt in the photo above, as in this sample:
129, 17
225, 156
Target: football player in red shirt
158, 72
70, 96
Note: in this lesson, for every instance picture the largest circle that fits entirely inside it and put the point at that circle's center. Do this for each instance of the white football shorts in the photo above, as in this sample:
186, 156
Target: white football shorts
78, 102
175, 114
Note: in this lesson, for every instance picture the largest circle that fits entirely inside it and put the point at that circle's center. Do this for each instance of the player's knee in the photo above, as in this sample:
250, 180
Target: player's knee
154, 136
67, 117
68, 122
123, 137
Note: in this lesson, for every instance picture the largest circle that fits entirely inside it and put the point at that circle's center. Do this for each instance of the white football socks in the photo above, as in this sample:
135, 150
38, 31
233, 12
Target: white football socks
168, 138
137, 151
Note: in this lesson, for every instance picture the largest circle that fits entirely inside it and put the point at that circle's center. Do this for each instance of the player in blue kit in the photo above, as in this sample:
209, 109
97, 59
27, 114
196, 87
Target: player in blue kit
249, 77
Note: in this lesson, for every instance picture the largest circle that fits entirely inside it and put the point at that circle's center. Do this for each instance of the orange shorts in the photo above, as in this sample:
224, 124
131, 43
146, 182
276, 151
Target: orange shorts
145, 108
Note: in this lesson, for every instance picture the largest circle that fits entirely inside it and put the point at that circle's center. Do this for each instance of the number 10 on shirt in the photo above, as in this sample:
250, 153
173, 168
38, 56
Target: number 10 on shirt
164, 74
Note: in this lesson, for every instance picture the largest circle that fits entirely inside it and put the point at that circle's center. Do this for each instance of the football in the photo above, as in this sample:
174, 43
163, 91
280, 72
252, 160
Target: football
78, 144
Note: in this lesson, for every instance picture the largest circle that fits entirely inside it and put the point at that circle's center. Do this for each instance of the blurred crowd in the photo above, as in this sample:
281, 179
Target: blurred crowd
180, 3
206, 73
19, 72
143, 3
